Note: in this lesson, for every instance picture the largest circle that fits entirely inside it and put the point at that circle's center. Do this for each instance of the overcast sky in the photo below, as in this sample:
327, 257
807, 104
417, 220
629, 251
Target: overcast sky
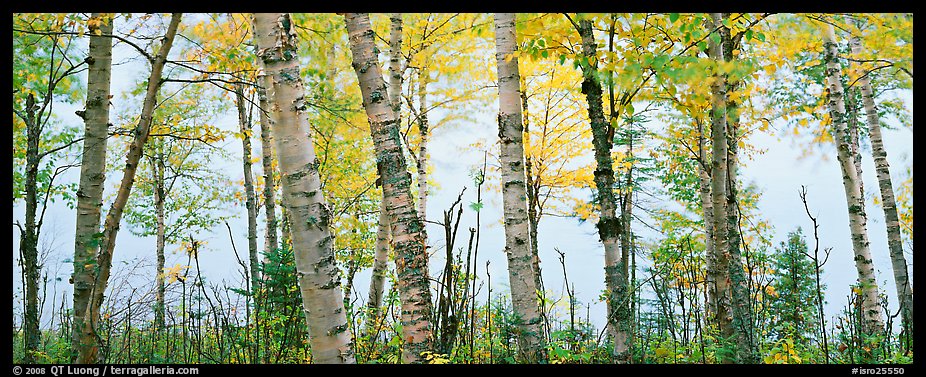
778, 173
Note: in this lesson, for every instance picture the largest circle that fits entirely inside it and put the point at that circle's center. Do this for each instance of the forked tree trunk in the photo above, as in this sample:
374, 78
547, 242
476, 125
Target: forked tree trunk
89, 342
872, 321
92, 174
609, 225
318, 276
383, 239
406, 226
888, 203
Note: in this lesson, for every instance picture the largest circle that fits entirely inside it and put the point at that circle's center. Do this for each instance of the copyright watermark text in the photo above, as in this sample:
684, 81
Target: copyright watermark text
102, 370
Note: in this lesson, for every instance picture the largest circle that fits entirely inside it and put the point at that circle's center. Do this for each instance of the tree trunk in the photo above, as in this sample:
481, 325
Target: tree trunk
266, 144
28, 243
159, 305
318, 276
609, 226
406, 226
533, 201
872, 321
721, 256
92, 174
424, 77
379, 270
888, 203
89, 350
707, 207
743, 323
524, 297
244, 124
383, 239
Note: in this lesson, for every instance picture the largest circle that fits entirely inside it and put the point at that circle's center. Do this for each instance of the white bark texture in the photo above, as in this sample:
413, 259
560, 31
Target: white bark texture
406, 227
524, 295
318, 276
872, 321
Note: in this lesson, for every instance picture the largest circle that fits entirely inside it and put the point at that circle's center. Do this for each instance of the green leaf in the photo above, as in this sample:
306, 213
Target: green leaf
760, 36
544, 53
748, 34
673, 17
476, 206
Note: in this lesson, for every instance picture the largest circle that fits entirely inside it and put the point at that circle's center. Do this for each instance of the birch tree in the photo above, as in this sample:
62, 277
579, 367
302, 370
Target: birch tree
92, 169
309, 216
89, 341
886, 187
406, 226
383, 238
517, 238
872, 321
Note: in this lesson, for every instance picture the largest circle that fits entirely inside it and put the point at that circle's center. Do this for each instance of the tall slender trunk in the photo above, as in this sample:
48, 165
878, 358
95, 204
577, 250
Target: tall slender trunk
609, 226
244, 124
406, 226
157, 167
89, 350
318, 276
28, 243
266, 144
872, 321
533, 200
721, 256
378, 279
524, 290
383, 236
743, 319
424, 77
92, 174
707, 207
888, 203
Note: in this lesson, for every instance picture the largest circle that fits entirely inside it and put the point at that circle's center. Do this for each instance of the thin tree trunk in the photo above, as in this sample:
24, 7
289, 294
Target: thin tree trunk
319, 279
406, 226
89, 350
872, 321
533, 201
244, 124
707, 207
524, 298
266, 143
747, 350
383, 237
92, 174
888, 203
721, 256
424, 77
609, 226
378, 279
158, 169
28, 243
